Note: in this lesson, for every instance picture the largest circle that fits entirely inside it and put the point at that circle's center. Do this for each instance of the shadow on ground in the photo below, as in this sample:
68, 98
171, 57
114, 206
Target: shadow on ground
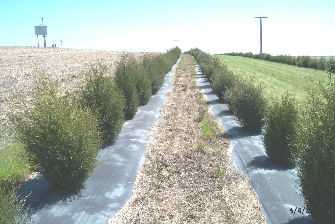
301, 220
42, 194
205, 86
223, 112
264, 162
212, 102
237, 131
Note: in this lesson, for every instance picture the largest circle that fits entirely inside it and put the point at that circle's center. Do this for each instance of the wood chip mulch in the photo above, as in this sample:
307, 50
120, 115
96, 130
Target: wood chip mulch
187, 178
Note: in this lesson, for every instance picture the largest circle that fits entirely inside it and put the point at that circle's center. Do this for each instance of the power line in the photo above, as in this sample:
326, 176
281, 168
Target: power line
260, 24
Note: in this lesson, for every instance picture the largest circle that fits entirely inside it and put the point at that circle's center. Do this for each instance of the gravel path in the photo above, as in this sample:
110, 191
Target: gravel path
187, 177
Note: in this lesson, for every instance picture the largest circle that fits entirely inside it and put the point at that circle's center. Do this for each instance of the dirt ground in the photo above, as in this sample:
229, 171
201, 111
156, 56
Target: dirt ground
20, 66
188, 176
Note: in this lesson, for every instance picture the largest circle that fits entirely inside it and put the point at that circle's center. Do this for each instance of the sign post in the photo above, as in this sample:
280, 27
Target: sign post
41, 30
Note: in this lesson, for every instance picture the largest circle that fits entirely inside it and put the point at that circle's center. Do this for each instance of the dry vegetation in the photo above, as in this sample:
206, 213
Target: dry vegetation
20, 66
188, 176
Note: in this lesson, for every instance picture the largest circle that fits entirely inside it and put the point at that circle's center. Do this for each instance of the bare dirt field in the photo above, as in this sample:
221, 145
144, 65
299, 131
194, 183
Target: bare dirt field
20, 66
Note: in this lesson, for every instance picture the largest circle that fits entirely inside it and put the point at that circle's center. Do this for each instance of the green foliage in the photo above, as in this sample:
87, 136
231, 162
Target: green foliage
207, 63
61, 139
316, 146
154, 67
280, 122
157, 66
143, 84
201, 115
139, 80
248, 104
244, 99
126, 79
218, 172
103, 96
12, 209
275, 78
14, 166
221, 80
301, 61
205, 127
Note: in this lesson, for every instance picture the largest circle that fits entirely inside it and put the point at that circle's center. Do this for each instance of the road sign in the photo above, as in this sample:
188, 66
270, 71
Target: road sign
40, 30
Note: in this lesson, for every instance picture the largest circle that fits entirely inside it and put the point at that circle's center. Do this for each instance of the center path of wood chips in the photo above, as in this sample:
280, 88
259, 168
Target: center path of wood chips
188, 177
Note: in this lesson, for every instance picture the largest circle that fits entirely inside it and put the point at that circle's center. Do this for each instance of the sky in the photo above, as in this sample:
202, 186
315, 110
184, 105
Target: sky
294, 27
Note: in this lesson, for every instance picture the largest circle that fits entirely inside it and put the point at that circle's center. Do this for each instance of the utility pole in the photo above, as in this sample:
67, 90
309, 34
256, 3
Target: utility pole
260, 24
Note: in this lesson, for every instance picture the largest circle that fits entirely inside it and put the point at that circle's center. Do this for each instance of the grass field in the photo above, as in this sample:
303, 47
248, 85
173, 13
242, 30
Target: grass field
13, 162
275, 78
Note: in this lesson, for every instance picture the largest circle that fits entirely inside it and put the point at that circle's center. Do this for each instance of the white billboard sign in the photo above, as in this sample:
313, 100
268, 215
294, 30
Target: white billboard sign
40, 30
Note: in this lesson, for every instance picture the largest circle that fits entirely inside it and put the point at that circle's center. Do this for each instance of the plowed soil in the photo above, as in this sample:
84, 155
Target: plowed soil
20, 66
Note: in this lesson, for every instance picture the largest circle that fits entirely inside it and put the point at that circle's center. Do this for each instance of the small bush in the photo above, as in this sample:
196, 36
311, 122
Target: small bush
103, 96
248, 104
280, 122
126, 79
221, 80
208, 65
139, 81
12, 209
157, 66
61, 139
143, 85
243, 98
316, 146
154, 67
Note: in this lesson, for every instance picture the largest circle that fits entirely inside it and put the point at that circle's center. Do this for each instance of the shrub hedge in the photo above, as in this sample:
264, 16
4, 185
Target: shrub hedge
316, 153
143, 84
125, 78
243, 98
248, 104
154, 67
280, 123
320, 63
307, 140
157, 66
138, 80
103, 96
221, 80
61, 136
61, 139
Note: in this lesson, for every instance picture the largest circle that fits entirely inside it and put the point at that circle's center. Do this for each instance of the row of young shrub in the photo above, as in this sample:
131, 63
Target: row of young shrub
320, 63
303, 136
62, 135
243, 98
315, 141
